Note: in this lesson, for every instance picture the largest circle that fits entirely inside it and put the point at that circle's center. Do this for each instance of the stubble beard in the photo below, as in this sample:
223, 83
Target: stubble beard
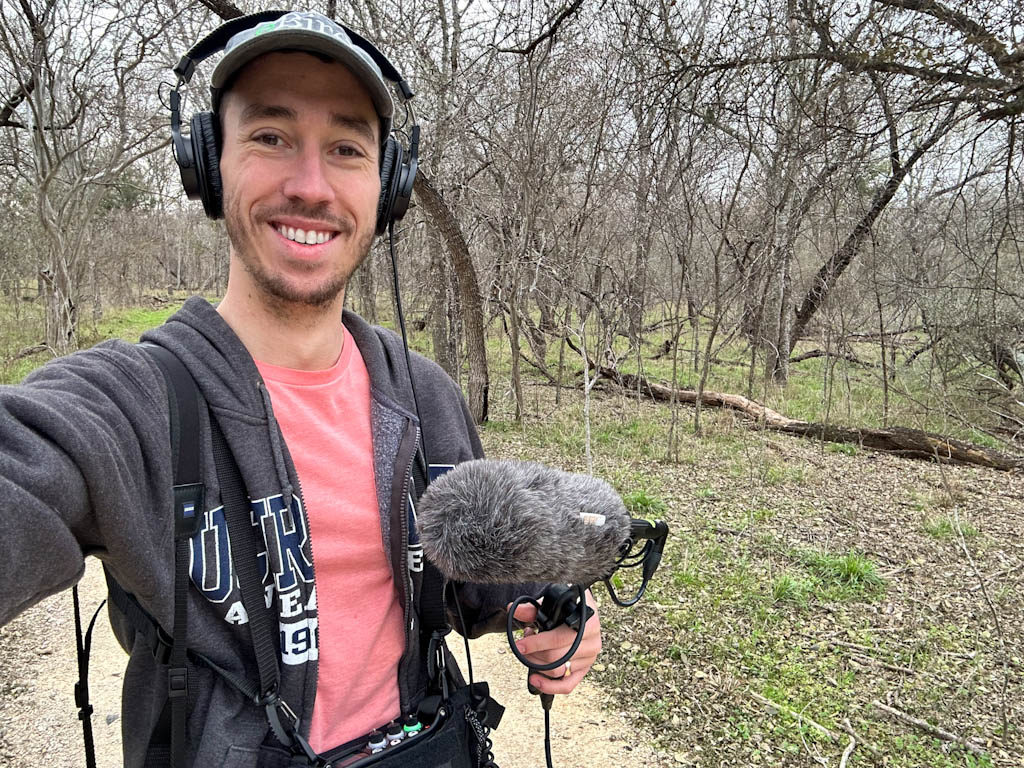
282, 296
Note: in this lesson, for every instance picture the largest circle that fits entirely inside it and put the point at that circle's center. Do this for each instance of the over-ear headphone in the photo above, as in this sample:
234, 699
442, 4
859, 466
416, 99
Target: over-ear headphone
198, 153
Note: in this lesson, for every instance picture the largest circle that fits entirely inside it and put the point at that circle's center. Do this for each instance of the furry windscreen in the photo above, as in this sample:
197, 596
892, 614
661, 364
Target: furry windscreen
504, 522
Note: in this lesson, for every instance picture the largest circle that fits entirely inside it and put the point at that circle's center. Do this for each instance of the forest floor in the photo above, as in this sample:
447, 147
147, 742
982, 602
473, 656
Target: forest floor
807, 592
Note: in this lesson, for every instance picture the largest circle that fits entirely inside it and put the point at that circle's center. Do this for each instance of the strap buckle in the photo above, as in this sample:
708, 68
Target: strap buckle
286, 728
162, 646
437, 667
82, 702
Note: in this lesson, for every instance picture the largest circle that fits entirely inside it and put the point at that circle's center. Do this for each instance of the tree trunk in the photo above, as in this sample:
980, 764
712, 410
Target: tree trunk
439, 318
469, 292
61, 310
513, 337
366, 289
830, 272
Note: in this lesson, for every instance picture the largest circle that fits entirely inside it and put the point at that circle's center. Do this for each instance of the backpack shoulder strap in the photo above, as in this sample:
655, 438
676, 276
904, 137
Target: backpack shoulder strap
433, 613
184, 403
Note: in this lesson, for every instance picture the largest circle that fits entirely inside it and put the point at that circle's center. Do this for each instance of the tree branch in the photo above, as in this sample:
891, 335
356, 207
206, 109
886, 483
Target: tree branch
559, 20
15, 100
223, 8
964, 24
927, 727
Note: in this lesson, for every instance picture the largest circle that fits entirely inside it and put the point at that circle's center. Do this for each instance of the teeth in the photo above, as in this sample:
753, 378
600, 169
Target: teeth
312, 237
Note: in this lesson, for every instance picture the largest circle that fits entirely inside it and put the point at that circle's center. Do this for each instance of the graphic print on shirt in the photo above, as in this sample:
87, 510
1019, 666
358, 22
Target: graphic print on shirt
286, 570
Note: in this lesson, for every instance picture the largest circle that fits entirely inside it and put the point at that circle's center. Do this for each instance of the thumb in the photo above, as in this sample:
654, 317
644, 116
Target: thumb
525, 613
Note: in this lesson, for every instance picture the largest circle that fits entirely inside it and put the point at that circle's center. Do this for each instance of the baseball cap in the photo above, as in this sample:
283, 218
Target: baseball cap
305, 31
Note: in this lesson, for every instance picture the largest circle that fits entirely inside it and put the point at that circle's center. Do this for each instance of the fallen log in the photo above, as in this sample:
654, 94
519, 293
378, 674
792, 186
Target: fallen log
901, 441
822, 353
29, 351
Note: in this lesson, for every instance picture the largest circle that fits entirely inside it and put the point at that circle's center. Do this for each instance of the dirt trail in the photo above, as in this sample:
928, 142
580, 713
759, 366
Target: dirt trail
39, 723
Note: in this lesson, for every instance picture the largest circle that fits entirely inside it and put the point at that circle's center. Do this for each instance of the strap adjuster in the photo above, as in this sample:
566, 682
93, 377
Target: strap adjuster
177, 682
436, 664
82, 702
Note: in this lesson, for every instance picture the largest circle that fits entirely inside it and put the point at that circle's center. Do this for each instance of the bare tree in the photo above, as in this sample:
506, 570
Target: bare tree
77, 127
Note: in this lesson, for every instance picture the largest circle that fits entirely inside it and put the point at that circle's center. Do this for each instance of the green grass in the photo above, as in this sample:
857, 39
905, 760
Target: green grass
944, 527
27, 330
849, 449
129, 324
849, 574
787, 588
642, 504
835, 391
739, 605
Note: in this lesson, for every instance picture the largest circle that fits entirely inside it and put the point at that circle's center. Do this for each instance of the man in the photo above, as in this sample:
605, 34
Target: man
318, 414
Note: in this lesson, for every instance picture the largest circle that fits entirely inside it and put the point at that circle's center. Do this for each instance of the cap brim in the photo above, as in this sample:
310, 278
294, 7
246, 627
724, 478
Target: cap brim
303, 40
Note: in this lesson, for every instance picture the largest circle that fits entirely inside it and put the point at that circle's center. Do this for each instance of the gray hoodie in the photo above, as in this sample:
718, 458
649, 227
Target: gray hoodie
85, 469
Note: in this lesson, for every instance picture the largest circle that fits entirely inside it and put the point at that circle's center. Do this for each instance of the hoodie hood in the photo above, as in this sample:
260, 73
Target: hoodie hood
205, 343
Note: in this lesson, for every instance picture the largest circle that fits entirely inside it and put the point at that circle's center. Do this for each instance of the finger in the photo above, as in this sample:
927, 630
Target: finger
559, 639
559, 685
525, 613
563, 671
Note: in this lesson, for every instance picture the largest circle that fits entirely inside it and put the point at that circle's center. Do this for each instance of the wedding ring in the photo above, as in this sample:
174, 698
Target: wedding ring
568, 669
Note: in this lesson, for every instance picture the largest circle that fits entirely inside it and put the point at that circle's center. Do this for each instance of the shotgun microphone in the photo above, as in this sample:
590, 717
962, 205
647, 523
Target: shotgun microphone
509, 522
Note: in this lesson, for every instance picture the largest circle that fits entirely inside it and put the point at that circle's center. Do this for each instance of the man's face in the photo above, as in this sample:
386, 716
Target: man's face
301, 181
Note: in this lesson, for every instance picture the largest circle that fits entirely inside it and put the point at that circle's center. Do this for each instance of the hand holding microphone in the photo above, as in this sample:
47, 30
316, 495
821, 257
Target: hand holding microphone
502, 522
553, 642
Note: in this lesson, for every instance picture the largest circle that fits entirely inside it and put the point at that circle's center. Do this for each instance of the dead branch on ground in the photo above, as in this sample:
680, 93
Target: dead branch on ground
900, 441
927, 727
822, 353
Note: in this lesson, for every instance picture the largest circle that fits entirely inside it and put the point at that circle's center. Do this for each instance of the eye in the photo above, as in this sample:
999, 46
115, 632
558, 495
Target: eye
268, 139
348, 150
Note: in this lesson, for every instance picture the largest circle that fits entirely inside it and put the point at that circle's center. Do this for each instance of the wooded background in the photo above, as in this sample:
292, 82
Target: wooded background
693, 182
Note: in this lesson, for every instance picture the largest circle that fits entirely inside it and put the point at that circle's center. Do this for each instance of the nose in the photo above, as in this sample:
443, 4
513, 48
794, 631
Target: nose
307, 178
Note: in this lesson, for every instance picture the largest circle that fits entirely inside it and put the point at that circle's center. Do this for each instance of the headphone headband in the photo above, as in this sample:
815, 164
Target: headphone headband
216, 41
198, 154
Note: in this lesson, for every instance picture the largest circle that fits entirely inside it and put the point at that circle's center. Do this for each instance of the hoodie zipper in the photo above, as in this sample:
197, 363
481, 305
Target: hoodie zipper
401, 566
306, 723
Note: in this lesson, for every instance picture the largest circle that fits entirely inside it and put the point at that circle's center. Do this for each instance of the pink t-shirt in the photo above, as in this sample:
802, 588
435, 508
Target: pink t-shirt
325, 418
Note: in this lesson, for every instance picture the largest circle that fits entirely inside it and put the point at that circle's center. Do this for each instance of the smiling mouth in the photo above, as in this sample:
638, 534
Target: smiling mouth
305, 236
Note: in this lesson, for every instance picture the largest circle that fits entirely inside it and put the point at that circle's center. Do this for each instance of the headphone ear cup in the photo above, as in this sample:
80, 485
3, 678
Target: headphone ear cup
406, 179
206, 153
391, 162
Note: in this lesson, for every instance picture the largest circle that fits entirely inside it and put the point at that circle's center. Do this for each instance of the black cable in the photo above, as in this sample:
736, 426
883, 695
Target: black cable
625, 603
509, 629
465, 639
547, 736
